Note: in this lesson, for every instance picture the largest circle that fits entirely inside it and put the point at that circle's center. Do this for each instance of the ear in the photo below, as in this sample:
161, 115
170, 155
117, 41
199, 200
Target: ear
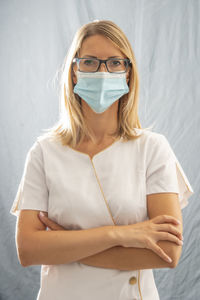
74, 77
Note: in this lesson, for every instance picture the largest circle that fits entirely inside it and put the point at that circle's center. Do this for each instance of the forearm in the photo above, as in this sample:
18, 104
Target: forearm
122, 258
62, 247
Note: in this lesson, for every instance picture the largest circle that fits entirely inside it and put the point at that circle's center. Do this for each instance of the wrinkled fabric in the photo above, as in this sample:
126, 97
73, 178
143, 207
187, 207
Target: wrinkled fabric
110, 189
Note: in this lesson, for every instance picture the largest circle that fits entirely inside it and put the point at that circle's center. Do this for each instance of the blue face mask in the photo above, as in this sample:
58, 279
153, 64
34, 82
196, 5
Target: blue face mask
101, 89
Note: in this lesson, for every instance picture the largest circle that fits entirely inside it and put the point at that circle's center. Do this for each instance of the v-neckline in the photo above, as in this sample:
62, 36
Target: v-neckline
97, 154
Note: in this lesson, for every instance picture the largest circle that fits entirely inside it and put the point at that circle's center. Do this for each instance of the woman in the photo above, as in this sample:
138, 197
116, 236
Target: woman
111, 192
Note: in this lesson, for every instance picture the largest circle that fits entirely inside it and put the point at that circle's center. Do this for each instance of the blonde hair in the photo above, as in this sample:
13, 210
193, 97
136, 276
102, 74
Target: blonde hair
71, 127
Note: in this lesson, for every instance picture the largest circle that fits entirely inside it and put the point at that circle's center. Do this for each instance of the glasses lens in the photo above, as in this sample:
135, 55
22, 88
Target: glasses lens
117, 65
88, 65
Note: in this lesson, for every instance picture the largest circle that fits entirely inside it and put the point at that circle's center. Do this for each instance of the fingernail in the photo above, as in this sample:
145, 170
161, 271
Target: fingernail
169, 259
42, 214
180, 242
178, 222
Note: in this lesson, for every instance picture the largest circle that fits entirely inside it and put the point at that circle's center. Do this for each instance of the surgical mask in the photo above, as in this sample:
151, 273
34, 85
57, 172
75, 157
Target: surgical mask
101, 89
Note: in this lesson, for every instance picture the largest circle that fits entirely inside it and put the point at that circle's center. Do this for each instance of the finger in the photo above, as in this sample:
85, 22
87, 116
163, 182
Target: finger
160, 252
44, 213
41, 218
166, 219
169, 228
165, 236
44, 219
48, 222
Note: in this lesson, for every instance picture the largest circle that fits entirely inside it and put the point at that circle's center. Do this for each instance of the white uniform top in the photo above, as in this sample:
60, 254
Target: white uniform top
110, 189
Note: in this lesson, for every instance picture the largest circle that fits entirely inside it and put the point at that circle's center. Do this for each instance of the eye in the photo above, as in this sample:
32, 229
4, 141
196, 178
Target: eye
116, 62
88, 62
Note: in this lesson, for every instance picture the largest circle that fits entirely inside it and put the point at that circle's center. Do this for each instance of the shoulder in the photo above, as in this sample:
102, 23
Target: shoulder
42, 145
46, 141
150, 138
156, 149
152, 145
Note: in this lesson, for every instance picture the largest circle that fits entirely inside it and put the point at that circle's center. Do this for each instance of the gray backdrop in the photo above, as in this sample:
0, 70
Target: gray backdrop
35, 36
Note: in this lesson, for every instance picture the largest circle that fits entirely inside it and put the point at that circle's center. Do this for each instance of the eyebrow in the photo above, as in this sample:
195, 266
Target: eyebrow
97, 57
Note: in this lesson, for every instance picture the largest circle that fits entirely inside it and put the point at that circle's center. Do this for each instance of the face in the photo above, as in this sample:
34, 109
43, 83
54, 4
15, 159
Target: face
100, 47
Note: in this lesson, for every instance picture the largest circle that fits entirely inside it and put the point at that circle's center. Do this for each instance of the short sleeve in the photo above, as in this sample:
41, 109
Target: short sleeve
164, 172
32, 192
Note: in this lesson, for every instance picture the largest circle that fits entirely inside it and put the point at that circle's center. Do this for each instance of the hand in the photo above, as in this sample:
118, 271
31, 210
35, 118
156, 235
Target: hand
146, 234
43, 216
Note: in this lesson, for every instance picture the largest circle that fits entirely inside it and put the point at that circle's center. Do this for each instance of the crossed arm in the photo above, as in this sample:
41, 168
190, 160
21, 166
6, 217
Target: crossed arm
122, 258
139, 258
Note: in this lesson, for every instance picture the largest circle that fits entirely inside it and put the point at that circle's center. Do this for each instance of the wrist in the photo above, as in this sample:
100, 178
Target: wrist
114, 235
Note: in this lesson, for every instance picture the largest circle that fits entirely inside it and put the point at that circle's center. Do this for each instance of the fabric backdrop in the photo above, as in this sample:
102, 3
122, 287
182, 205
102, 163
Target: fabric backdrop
35, 36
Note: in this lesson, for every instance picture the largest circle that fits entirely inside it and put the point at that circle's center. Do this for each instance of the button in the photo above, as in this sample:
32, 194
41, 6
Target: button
133, 280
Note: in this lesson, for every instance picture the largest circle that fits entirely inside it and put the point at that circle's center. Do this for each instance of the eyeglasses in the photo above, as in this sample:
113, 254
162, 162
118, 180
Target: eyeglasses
113, 65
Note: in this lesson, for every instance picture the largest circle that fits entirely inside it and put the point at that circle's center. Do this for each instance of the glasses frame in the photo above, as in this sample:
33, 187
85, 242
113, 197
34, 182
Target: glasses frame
78, 59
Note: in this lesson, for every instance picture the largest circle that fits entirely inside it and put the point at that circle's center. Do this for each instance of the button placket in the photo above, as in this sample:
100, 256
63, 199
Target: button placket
102, 192
133, 278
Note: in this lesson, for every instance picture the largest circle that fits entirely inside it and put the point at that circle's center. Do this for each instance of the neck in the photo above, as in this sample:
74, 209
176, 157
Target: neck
101, 125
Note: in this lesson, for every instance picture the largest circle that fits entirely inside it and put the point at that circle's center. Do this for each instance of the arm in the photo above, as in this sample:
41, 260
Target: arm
136, 258
36, 246
129, 259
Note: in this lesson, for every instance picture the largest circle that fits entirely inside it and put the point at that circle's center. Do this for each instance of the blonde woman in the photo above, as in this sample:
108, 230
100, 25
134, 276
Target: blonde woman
110, 192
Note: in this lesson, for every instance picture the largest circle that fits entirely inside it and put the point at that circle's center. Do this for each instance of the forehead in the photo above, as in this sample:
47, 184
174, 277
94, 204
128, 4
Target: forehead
99, 46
